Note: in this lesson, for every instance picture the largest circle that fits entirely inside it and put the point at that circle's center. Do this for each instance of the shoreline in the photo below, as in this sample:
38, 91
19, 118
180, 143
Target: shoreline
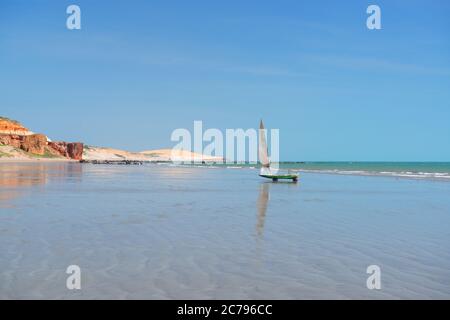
396, 175
427, 176
8, 160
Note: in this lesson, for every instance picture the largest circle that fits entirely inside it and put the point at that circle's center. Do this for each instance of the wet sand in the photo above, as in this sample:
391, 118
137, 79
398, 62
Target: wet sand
165, 232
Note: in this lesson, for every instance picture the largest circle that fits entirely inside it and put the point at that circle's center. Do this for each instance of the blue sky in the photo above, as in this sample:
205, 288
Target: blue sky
139, 69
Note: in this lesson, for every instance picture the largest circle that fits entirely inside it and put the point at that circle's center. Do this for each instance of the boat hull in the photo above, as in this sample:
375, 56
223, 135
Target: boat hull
292, 177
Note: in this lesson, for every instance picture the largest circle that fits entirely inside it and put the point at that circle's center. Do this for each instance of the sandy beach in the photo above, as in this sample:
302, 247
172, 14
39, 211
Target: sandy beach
163, 155
31, 160
90, 153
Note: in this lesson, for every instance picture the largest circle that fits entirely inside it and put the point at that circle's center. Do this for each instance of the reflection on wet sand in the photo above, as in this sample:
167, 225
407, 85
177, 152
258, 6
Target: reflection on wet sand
15, 176
263, 201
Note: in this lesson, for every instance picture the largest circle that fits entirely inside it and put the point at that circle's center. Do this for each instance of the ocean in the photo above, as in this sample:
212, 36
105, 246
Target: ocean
433, 170
421, 170
161, 231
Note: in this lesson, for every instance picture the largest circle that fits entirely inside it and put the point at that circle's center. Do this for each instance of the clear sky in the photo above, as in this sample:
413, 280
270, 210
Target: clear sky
137, 70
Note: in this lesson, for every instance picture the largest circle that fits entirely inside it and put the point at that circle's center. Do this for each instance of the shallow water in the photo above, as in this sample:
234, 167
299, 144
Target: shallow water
412, 170
160, 232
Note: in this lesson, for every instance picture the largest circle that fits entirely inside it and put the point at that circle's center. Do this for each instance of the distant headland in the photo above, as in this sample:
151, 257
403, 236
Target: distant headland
18, 143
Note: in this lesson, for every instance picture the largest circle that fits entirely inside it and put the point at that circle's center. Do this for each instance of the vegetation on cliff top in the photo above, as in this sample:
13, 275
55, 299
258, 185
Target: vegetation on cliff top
9, 120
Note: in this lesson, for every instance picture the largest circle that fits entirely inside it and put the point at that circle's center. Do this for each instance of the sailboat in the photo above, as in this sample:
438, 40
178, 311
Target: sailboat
266, 170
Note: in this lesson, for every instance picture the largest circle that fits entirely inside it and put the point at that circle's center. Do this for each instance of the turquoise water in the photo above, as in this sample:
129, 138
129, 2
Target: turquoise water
407, 169
434, 167
421, 170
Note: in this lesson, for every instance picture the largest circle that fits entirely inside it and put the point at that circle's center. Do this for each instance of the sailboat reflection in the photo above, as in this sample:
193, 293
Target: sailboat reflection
263, 201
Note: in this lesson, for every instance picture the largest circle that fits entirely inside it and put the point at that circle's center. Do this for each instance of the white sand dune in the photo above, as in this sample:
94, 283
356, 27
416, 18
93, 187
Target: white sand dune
102, 154
109, 154
180, 155
90, 153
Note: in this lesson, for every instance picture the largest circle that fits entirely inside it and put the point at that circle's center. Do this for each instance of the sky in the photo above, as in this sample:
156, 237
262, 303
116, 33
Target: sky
137, 70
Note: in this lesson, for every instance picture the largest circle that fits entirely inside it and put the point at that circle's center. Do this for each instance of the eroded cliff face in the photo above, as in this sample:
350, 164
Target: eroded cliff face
71, 150
34, 143
12, 140
14, 134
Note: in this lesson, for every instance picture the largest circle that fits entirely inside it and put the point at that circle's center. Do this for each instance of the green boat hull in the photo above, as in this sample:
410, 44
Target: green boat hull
292, 177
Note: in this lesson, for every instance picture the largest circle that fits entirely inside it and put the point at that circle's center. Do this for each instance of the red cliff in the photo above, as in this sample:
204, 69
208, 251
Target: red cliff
8, 126
34, 143
12, 133
71, 150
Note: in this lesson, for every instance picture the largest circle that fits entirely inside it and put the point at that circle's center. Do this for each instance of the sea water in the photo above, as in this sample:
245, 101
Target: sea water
186, 232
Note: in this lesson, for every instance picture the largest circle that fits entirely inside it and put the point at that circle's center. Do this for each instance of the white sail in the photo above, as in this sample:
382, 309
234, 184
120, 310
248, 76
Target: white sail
266, 170
262, 147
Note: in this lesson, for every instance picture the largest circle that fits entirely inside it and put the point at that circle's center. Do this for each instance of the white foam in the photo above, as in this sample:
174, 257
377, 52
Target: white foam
405, 174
